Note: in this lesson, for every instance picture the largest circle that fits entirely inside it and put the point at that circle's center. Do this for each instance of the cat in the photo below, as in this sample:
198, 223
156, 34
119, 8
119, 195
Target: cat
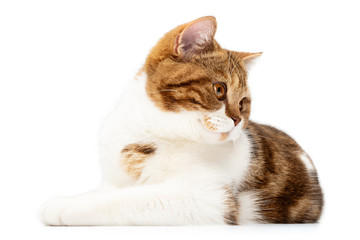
179, 149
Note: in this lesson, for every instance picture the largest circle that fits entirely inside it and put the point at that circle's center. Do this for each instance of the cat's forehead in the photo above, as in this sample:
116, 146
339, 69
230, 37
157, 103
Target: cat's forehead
223, 65
217, 60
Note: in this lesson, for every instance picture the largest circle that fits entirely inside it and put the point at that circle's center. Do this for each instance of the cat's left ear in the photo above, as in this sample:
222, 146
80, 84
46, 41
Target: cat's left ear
197, 37
248, 58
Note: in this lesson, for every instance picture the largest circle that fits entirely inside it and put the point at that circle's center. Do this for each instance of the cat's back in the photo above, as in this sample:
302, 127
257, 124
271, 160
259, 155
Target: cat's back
283, 177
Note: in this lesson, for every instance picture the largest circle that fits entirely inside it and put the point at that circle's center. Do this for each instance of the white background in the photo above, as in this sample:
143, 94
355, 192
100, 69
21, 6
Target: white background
64, 64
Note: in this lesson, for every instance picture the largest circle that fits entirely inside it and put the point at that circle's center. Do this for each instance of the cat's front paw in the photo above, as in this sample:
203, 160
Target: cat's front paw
50, 212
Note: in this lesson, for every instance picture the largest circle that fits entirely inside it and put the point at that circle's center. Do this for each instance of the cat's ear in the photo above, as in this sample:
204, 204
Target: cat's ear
197, 37
248, 58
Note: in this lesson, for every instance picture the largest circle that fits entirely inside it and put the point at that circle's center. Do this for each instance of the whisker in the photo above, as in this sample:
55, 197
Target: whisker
167, 90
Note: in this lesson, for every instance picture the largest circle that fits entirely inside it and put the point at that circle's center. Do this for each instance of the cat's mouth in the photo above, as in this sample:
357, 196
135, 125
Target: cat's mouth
220, 127
217, 125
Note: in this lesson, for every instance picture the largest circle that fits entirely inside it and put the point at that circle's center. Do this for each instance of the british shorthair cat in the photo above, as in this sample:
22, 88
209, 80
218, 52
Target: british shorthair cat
179, 149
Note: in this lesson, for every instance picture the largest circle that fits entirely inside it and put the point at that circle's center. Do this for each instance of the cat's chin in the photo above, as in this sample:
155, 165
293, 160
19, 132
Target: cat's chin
222, 137
232, 135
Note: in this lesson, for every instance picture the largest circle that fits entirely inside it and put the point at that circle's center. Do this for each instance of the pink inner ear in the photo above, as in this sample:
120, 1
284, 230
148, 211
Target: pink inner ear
197, 36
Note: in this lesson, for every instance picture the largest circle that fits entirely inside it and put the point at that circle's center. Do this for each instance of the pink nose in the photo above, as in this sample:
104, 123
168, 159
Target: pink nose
236, 120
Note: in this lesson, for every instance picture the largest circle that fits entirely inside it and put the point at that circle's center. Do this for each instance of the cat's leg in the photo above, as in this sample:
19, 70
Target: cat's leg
162, 204
50, 212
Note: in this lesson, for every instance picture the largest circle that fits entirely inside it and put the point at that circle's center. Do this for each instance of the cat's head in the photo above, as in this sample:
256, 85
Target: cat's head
188, 71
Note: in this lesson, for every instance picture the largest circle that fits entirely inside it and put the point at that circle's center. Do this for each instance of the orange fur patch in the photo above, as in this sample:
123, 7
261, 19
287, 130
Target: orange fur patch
209, 125
133, 157
224, 136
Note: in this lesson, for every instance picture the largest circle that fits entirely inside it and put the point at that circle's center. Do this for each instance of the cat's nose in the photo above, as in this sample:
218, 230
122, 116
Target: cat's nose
236, 120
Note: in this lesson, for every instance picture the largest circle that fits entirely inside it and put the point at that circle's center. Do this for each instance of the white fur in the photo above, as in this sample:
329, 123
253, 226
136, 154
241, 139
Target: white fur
248, 208
184, 182
307, 161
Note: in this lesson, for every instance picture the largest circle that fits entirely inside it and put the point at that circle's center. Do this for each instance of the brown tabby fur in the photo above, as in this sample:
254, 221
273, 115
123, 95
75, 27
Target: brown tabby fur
231, 217
287, 191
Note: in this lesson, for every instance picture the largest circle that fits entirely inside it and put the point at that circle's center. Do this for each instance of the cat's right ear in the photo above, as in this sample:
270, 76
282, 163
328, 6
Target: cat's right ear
197, 37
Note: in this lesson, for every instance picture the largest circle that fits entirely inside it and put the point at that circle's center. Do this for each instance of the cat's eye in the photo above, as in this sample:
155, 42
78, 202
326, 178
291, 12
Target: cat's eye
219, 90
241, 104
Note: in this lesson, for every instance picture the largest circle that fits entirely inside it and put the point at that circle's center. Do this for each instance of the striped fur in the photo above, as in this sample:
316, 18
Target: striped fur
180, 149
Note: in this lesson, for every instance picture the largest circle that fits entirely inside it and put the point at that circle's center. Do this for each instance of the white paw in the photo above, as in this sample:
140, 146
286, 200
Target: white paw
50, 213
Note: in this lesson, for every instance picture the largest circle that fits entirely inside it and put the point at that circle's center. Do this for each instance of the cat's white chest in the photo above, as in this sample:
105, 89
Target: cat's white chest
225, 164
